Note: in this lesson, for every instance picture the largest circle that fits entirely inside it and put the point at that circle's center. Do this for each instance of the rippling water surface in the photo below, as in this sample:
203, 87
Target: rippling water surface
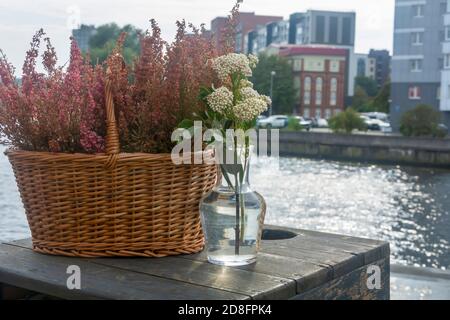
409, 207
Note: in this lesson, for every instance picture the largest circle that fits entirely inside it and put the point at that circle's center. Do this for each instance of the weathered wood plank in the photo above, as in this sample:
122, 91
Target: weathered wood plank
256, 285
306, 275
352, 286
47, 274
369, 250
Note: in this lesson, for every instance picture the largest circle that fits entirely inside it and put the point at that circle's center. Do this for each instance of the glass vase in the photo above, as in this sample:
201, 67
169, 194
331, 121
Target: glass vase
233, 215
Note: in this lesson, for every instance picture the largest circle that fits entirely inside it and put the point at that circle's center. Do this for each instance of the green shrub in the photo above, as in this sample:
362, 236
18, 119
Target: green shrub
423, 120
294, 124
347, 121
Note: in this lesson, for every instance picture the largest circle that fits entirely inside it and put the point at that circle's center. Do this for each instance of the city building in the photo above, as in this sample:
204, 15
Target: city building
247, 21
421, 57
82, 36
366, 66
278, 32
319, 78
259, 39
382, 60
323, 28
327, 28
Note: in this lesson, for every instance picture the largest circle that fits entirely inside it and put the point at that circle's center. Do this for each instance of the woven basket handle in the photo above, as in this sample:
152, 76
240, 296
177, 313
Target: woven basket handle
112, 133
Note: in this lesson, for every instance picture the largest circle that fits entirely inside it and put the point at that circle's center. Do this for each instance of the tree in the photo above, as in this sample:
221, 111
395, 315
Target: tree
102, 43
381, 102
347, 121
283, 85
369, 85
423, 120
360, 99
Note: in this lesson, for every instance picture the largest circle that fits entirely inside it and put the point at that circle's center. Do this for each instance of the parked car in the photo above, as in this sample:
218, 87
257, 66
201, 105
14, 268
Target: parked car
313, 122
259, 119
377, 116
306, 124
277, 122
322, 123
375, 124
442, 130
318, 122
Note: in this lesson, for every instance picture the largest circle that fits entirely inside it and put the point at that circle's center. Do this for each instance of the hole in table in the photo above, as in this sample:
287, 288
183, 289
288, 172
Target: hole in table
271, 234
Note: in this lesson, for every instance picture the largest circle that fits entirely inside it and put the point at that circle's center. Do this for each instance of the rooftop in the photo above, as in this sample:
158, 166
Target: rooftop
311, 50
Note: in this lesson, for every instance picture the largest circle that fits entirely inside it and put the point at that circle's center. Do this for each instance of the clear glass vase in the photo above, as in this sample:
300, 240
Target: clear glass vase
233, 215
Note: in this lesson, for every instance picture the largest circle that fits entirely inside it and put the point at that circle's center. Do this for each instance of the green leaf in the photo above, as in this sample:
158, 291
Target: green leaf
186, 124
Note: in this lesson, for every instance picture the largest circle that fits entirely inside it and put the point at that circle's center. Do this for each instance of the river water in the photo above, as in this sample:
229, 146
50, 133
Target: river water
409, 207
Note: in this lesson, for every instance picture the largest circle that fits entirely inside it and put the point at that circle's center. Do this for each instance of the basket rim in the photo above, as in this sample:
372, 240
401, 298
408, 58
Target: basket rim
123, 155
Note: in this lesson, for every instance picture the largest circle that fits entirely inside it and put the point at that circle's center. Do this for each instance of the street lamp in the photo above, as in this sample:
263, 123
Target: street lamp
272, 75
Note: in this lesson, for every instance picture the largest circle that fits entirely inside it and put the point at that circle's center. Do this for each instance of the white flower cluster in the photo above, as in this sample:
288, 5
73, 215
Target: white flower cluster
253, 60
231, 63
220, 100
248, 93
246, 84
251, 104
249, 109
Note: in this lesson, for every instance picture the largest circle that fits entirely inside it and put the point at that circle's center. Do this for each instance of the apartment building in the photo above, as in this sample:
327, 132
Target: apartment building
382, 66
421, 57
247, 21
366, 66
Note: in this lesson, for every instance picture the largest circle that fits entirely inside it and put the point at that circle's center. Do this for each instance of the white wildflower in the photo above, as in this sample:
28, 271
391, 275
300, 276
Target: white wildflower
253, 60
249, 109
249, 93
246, 83
267, 100
220, 100
232, 63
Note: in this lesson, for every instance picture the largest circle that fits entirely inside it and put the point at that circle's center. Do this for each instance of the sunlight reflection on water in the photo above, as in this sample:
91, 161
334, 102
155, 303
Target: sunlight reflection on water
408, 207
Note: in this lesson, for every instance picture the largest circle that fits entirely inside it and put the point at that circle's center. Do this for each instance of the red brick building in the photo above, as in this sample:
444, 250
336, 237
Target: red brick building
320, 75
247, 21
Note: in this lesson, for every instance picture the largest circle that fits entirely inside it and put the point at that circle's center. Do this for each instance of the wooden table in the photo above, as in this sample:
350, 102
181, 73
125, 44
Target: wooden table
311, 265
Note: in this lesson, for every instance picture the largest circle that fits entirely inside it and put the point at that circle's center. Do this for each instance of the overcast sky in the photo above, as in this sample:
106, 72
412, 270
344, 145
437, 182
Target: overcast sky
19, 19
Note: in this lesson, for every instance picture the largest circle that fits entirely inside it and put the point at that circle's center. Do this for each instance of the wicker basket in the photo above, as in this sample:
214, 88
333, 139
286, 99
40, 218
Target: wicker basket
111, 204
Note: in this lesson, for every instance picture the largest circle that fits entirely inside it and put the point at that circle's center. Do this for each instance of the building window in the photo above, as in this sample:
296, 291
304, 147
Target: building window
418, 10
327, 114
306, 113
347, 33
333, 30
438, 93
297, 86
414, 93
416, 65
447, 61
334, 66
297, 65
447, 33
417, 38
443, 7
319, 87
307, 91
320, 29
333, 92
